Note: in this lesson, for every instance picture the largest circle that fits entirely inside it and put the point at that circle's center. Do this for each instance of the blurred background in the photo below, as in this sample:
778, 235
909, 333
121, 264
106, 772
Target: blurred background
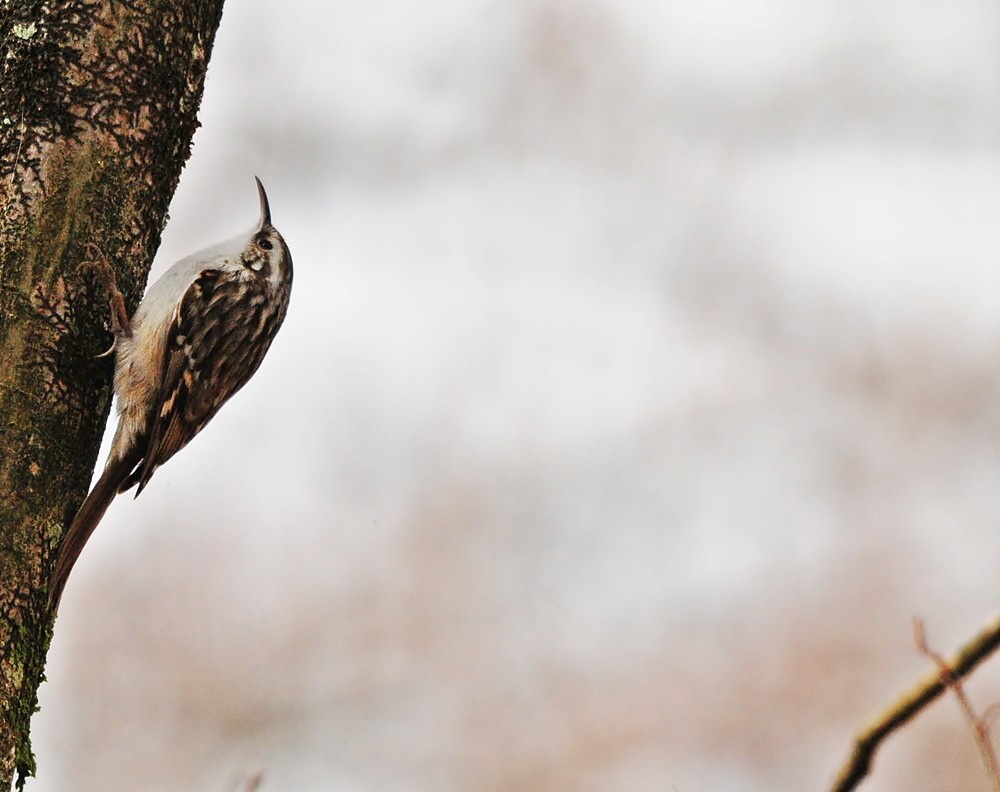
639, 386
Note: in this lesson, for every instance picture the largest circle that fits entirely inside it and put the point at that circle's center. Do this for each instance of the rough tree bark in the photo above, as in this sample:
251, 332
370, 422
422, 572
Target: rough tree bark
98, 104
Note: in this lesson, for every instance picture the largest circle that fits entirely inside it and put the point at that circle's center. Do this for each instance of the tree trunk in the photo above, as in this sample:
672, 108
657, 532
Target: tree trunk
98, 104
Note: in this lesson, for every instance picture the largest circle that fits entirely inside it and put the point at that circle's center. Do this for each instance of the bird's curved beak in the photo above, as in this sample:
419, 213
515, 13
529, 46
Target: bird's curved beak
265, 210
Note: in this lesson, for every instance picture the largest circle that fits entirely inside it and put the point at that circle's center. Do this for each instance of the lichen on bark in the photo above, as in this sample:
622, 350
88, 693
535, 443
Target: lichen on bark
98, 105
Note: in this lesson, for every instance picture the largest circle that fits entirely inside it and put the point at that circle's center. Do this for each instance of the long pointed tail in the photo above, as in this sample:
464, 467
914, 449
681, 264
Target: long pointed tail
86, 520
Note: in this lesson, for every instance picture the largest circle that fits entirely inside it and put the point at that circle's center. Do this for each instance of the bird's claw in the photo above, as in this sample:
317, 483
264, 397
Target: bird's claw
110, 351
120, 324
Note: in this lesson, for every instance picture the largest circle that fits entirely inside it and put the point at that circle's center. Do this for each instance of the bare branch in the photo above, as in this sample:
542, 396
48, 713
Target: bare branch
911, 703
979, 725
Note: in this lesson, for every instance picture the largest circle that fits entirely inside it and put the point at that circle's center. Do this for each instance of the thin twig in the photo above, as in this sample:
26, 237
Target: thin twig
251, 784
254, 782
979, 725
991, 712
910, 704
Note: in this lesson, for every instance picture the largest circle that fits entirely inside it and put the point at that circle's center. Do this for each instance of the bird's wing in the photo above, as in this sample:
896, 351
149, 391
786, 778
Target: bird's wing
206, 362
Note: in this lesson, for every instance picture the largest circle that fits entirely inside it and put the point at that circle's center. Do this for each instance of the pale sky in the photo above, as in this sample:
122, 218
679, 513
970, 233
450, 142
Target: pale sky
638, 385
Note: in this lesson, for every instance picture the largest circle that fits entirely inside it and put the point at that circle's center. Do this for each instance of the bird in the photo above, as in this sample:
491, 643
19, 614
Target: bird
197, 337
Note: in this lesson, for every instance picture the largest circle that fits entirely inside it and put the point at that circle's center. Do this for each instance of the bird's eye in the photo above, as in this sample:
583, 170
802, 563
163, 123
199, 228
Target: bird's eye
265, 243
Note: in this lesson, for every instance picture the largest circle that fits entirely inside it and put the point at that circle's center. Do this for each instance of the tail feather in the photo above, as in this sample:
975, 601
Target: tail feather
87, 519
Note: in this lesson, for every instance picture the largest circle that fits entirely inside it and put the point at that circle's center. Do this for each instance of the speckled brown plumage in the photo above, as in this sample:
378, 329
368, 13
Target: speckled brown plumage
197, 337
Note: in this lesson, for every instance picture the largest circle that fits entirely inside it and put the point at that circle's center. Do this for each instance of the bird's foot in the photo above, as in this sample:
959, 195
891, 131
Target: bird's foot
120, 324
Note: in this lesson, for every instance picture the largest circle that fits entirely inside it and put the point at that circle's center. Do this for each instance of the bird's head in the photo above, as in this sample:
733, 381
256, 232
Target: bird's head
266, 254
